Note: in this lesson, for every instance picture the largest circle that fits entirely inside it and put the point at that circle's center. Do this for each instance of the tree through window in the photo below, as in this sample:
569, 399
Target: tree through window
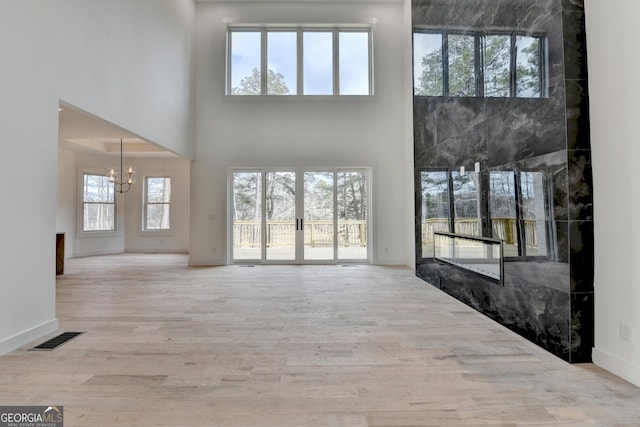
477, 64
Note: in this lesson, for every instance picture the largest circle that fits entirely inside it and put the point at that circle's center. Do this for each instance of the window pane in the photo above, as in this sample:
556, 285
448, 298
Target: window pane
98, 217
245, 63
97, 188
427, 64
318, 215
158, 190
280, 215
158, 216
318, 63
465, 202
528, 67
354, 63
534, 212
352, 190
435, 207
247, 215
497, 63
462, 79
502, 207
281, 63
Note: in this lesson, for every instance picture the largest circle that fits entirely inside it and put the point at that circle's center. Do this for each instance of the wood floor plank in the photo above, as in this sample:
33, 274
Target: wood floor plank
300, 346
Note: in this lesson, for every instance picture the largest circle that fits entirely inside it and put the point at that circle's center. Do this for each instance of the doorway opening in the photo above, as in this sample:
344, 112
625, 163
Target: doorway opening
297, 215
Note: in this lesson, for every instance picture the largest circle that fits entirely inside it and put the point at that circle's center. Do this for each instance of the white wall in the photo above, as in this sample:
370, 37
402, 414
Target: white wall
29, 126
125, 61
300, 132
410, 197
131, 63
614, 91
174, 240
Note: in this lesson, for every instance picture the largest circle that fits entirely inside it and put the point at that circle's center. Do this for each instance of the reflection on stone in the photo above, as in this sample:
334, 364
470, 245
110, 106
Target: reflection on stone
535, 188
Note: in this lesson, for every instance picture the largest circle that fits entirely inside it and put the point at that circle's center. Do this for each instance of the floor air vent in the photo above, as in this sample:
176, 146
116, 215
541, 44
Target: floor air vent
56, 342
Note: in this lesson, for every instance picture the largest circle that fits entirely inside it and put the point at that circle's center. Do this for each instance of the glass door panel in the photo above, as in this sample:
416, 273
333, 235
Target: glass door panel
318, 218
280, 216
299, 215
246, 211
352, 210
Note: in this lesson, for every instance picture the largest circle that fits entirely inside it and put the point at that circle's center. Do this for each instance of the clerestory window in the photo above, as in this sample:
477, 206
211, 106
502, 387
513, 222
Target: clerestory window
300, 60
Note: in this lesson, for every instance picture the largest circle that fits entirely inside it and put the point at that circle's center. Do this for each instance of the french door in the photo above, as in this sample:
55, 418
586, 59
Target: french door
299, 215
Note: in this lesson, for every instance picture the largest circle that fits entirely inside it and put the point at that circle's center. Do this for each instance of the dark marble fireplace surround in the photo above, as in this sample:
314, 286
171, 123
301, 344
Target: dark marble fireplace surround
549, 301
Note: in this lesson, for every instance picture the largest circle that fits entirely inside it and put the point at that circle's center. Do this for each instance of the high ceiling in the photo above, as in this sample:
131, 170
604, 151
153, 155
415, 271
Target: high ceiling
82, 131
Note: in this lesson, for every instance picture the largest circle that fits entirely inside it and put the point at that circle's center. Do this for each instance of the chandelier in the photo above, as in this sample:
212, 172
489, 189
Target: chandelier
122, 180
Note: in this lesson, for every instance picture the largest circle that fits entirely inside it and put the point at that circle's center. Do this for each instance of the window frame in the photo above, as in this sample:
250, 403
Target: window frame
298, 91
479, 60
145, 203
80, 230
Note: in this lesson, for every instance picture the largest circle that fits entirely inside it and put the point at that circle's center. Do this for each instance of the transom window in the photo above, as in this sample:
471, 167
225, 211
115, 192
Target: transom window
157, 203
98, 203
318, 60
478, 64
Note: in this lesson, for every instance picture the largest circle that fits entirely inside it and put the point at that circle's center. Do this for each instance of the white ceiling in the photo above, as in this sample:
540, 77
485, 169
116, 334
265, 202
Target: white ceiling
82, 131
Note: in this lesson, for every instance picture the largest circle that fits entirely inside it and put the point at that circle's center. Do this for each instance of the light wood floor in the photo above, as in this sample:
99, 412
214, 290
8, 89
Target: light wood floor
169, 345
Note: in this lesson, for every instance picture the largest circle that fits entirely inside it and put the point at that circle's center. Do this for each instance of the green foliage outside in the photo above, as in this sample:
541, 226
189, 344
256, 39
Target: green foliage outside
497, 63
251, 84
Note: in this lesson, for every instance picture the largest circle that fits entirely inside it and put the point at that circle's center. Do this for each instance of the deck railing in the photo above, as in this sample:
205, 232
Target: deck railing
246, 234
503, 228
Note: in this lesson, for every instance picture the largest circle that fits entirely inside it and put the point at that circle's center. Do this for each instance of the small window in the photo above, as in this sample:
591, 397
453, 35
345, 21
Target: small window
317, 60
157, 203
98, 203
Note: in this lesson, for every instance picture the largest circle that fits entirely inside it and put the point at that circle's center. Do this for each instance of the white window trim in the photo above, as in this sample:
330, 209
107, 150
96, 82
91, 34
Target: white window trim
81, 233
143, 228
299, 30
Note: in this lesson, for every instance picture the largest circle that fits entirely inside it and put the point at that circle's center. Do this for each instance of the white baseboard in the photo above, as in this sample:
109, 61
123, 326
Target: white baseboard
625, 369
16, 341
156, 251
206, 262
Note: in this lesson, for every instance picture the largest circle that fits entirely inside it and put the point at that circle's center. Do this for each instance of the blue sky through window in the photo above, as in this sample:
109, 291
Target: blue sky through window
282, 58
318, 63
354, 63
245, 55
